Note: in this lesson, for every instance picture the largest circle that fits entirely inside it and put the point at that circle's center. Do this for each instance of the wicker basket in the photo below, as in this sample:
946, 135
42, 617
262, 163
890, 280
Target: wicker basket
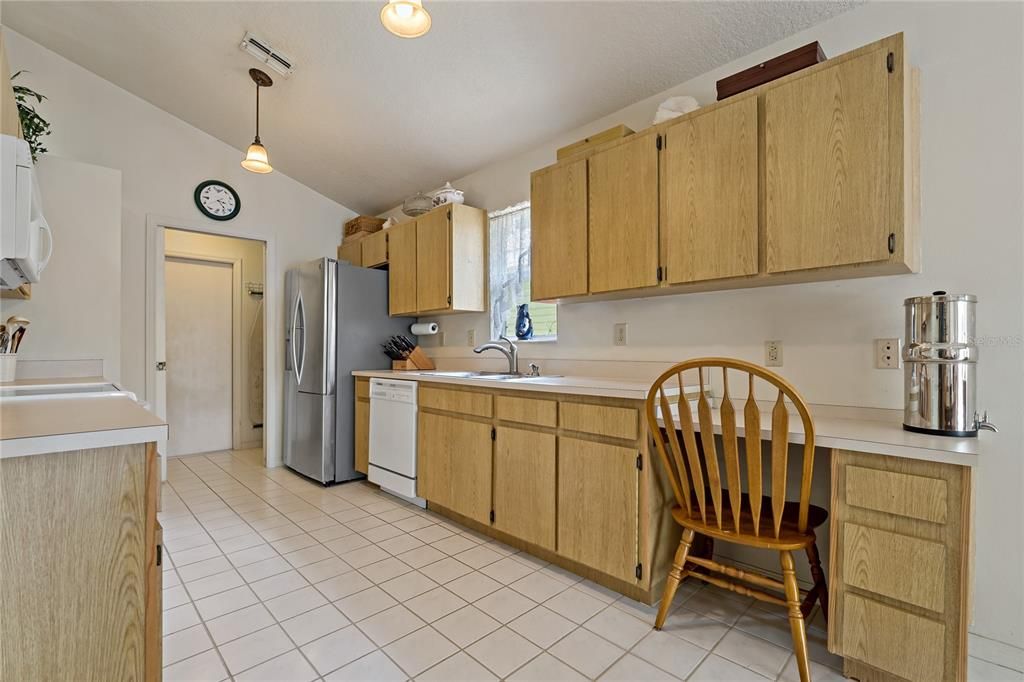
362, 225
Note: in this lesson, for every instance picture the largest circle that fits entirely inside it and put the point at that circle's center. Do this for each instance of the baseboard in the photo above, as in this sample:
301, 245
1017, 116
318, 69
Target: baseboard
994, 651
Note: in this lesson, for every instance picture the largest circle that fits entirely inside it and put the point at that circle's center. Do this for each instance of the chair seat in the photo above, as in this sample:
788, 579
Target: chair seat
789, 536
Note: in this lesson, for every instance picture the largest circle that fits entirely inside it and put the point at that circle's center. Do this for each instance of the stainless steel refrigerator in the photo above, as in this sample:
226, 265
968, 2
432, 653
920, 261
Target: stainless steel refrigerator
336, 318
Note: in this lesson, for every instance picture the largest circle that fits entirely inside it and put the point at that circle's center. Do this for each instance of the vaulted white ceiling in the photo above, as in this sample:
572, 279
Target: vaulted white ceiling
369, 118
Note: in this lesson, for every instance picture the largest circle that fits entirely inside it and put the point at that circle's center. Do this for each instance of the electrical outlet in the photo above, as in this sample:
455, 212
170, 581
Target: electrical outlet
619, 336
887, 353
471, 337
441, 341
773, 353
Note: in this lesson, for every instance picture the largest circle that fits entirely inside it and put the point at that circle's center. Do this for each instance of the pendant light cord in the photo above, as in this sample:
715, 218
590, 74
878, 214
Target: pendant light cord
257, 113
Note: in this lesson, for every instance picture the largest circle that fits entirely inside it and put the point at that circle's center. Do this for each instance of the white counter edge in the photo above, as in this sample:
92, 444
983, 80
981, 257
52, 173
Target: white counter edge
65, 442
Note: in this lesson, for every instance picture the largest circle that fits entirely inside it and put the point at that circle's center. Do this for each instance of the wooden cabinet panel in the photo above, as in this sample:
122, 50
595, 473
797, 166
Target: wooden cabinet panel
526, 410
433, 261
454, 464
155, 607
362, 436
894, 640
827, 166
623, 204
524, 485
362, 388
558, 231
709, 183
402, 268
351, 252
895, 565
917, 497
603, 420
463, 402
375, 249
468, 258
598, 507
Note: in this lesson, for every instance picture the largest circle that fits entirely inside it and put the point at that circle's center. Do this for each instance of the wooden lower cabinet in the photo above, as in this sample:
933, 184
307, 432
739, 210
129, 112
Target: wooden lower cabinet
598, 506
80, 559
362, 436
524, 485
900, 556
454, 464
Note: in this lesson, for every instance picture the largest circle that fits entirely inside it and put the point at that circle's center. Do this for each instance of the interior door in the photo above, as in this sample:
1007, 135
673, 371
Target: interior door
623, 200
433, 261
826, 166
402, 268
558, 231
199, 355
524, 485
709, 194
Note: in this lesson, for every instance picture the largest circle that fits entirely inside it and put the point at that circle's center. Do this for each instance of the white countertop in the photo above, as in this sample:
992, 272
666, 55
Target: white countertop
73, 422
862, 430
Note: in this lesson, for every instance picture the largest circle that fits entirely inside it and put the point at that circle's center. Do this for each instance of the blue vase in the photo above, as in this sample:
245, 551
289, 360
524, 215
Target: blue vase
524, 325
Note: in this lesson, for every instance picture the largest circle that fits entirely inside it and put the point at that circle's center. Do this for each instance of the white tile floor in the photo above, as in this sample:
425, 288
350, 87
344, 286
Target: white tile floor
271, 577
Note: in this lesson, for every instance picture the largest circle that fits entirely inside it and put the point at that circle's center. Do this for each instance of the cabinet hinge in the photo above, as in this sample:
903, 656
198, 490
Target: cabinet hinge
659, 143
494, 436
892, 242
639, 571
640, 462
159, 555
449, 299
449, 214
661, 273
492, 516
890, 62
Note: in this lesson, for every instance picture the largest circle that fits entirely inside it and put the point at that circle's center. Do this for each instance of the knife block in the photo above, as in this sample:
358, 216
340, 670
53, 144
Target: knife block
417, 360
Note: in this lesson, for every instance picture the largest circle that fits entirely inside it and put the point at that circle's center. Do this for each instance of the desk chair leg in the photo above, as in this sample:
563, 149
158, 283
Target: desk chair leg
674, 576
819, 578
796, 616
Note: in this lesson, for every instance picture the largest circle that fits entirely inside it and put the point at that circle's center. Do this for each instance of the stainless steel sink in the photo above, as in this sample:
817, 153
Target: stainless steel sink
488, 376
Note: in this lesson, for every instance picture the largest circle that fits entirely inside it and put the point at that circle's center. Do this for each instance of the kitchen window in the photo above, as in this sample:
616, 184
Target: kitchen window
510, 276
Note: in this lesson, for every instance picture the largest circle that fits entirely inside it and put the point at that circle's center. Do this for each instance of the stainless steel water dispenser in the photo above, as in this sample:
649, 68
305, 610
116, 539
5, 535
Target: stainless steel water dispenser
940, 358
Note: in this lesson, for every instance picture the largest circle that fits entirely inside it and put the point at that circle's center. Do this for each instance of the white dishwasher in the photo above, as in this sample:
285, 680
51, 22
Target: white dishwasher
393, 437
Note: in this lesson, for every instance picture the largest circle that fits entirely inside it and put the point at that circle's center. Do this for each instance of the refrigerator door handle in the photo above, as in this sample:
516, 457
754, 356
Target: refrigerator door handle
296, 361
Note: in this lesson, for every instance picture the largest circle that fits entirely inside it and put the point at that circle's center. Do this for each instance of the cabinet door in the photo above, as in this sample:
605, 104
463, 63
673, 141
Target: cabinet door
402, 269
433, 261
524, 485
351, 252
454, 464
597, 506
827, 181
623, 197
709, 194
375, 249
362, 436
558, 231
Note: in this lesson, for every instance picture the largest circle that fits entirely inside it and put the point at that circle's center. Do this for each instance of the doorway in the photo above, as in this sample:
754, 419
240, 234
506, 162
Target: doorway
209, 342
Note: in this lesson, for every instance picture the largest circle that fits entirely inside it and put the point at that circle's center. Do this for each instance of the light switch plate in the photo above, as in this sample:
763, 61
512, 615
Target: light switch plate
887, 353
471, 337
773, 353
620, 334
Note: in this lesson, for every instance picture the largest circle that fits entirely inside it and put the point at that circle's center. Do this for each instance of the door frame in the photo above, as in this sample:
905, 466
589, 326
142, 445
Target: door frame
236, 332
273, 298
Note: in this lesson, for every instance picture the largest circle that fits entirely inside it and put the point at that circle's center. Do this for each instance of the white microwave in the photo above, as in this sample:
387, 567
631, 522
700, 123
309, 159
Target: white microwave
23, 250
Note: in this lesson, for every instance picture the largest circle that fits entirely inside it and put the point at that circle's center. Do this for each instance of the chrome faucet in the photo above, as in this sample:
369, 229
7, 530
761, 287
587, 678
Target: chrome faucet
511, 353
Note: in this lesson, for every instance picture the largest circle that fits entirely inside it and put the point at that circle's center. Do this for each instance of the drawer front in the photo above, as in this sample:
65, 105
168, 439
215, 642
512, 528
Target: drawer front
463, 402
526, 410
893, 565
362, 388
603, 420
893, 640
917, 497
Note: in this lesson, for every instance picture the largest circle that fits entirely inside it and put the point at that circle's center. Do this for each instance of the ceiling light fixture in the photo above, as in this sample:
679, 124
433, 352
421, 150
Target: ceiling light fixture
405, 18
256, 159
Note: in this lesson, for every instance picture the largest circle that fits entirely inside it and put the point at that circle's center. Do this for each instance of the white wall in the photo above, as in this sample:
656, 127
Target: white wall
970, 56
75, 309
162, 159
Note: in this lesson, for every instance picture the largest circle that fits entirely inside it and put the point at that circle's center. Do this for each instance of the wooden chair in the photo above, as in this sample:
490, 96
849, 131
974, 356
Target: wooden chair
733, 512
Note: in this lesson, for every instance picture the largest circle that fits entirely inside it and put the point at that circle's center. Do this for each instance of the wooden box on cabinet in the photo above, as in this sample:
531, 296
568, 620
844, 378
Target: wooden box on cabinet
900, 567
438, 262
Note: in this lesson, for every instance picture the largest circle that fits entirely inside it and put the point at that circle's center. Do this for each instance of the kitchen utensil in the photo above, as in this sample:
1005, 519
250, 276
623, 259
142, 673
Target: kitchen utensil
16, 339
940, 358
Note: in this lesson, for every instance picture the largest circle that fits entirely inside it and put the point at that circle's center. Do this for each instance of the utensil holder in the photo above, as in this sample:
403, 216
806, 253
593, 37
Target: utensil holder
8, 366
417, 360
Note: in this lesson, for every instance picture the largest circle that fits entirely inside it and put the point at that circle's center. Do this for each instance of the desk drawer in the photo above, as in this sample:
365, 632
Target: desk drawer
603, 420
892, 640
895, 565
917, 497
462, 402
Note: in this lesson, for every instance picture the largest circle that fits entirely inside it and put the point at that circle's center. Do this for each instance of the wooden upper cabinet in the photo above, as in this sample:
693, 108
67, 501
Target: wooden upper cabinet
834, 164
402, 269
433, 261
623, 201
709, 183
351, 252
375, 249
558, 231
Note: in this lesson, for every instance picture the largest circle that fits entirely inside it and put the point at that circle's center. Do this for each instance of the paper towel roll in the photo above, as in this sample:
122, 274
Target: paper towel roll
424, 328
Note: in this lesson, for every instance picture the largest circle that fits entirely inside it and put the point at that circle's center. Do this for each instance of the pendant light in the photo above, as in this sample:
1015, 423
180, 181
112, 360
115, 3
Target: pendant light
256, 159
405, 18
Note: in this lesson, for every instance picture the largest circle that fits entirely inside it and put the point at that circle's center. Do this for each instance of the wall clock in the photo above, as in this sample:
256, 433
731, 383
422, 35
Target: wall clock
217, 200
